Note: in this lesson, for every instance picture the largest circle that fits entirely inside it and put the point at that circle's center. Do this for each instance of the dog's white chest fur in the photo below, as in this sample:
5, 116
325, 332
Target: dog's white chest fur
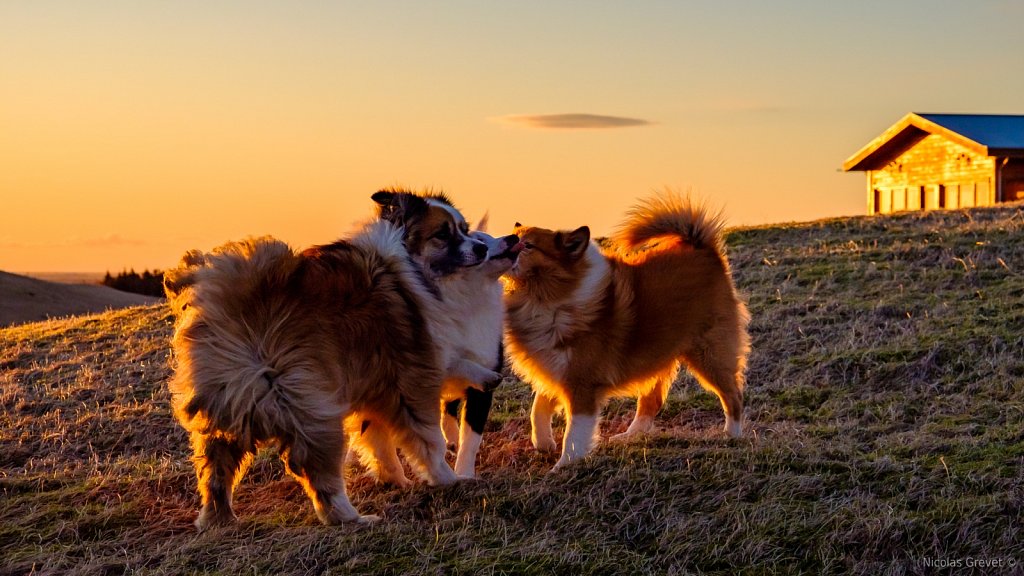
473, 309
545, 330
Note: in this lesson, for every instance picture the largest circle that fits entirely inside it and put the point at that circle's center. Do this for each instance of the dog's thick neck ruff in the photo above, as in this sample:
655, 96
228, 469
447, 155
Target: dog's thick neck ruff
577, 293
545, 313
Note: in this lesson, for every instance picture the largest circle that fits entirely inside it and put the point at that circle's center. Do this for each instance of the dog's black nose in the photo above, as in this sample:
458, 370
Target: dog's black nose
480, 250
511, 239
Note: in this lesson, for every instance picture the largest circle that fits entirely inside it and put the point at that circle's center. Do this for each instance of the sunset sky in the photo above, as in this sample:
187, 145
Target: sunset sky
132, 131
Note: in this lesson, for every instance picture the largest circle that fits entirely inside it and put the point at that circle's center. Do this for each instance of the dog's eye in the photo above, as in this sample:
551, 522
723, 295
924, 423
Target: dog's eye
444, 234
527, 246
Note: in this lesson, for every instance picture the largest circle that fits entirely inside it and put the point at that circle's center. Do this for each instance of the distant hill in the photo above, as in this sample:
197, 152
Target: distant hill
24, 299
66, 277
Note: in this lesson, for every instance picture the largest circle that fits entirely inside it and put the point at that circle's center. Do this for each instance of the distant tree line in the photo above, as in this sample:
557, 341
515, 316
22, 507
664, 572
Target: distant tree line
147, 283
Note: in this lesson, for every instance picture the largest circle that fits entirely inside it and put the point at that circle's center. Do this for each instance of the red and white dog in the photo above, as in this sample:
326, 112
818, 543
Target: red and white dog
584, 325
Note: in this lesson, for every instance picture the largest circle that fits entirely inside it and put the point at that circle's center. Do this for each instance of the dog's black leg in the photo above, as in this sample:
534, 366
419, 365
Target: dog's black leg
450, 424
474, 418
478, 408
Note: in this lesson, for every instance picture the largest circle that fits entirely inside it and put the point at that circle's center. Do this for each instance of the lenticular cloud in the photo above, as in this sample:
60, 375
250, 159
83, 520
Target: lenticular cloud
571, 121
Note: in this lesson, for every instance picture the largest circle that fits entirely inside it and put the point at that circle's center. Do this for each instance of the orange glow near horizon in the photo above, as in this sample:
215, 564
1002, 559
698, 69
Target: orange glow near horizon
132, 133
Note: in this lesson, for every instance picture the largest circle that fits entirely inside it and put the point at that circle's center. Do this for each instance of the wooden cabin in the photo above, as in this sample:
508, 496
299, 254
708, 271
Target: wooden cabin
933, 161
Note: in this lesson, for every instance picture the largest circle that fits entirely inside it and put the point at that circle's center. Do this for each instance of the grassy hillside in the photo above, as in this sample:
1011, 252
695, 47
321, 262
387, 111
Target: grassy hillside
886, 435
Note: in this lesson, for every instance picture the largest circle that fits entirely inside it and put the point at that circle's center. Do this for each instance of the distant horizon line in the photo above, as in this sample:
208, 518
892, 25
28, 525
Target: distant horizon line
62, 277
56, 275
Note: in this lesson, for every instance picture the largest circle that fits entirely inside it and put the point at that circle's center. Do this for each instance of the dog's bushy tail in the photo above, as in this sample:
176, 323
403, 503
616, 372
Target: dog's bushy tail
237, 371
669, 213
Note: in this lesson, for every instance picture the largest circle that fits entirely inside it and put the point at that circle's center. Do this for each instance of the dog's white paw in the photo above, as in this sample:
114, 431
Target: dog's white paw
626, 436
393, 479
734, 428
367, 520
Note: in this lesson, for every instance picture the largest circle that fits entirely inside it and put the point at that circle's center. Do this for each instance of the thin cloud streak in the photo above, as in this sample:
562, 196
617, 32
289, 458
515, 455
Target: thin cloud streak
570, 121
95, 242
110, 240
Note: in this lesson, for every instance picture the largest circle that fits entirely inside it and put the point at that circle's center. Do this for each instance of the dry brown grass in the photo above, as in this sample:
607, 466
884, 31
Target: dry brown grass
887, 432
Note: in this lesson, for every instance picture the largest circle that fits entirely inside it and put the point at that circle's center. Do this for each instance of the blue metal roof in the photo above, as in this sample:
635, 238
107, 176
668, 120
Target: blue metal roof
991, 130
985, 134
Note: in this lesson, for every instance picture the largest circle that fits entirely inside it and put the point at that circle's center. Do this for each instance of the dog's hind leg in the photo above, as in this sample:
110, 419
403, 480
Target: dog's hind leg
318, 468
417, 429
425, 449
220, 464
719, 368
647, 407
378, 453
474, 418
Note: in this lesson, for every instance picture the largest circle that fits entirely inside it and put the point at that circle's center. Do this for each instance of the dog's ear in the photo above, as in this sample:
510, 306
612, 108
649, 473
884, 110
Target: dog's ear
398, 207
482, 224
387, 202
575, 243
176, 280
383, 197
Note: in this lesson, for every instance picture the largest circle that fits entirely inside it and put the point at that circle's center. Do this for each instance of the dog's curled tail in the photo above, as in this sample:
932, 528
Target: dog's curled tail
670, 213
